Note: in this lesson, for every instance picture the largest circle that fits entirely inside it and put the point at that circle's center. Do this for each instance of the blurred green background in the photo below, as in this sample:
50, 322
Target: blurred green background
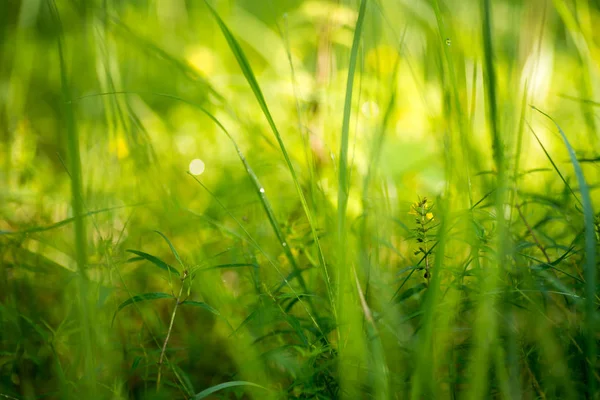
113, 108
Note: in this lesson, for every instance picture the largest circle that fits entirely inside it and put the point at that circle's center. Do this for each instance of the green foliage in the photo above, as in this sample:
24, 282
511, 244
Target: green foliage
295, 262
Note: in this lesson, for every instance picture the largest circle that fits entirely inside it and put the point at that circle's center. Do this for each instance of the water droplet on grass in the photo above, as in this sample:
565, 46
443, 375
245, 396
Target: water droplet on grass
448, 41
262, 190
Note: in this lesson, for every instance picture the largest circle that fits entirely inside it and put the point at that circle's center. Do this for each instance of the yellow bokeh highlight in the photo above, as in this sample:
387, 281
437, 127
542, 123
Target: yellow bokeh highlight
203, 60
382, 59
119, 147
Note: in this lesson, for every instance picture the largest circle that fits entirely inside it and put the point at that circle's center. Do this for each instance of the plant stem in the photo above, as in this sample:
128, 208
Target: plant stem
164, 347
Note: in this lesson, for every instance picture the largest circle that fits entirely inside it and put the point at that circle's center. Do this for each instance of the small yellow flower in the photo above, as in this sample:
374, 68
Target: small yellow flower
429, 216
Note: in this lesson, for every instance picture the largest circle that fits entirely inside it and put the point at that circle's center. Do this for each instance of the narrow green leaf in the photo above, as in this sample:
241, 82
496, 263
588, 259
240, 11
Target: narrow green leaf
590, 258
175, 253
252, 81
553, 163
411, 292
231, 265
207, 392
140, 298
154, 260
343, 155
201, 305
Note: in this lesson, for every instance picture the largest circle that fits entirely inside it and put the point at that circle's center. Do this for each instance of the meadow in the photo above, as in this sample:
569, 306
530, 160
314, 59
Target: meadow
299, 199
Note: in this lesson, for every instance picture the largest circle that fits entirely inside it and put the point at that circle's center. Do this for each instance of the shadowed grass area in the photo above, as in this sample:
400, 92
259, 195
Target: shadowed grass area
299, 199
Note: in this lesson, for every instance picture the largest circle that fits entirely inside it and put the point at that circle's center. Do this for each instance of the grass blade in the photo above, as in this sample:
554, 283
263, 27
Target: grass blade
175, 253
155, 260
141, 297
590, 259
353, 347
207, 392
251, 78
200, 304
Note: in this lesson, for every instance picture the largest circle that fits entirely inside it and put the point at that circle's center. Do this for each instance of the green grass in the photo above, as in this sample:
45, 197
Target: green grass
385, 211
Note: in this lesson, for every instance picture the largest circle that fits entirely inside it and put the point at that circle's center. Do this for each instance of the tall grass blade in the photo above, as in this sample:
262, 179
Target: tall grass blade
77, 203
250, 77
351, 344
590, 272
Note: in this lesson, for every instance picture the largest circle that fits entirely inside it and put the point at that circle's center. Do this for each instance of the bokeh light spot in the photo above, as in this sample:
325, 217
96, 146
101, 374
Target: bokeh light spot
197, 166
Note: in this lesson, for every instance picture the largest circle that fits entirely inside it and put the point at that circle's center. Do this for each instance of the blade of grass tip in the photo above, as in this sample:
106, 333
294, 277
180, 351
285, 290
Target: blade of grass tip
207, 392
515, 174
250, 77
154, 260
343, 157
175, 253
89, 359
590, 258
553, 163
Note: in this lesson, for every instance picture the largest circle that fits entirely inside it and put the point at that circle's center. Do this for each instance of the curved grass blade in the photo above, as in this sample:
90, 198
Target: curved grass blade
140, 298
200, 304
207, 392
149, 47
343, 157
64, 222
175, 253
552, 161
251, 78
155, 260
590, 258
231, 265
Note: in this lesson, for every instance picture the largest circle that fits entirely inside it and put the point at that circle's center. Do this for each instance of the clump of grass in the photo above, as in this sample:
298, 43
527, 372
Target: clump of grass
501, 301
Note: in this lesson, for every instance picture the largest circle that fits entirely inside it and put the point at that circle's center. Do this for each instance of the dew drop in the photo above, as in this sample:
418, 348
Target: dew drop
448, 41
284, 244
262, 190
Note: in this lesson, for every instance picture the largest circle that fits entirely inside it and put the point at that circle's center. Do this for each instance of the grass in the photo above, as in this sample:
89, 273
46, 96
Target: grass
385, 211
